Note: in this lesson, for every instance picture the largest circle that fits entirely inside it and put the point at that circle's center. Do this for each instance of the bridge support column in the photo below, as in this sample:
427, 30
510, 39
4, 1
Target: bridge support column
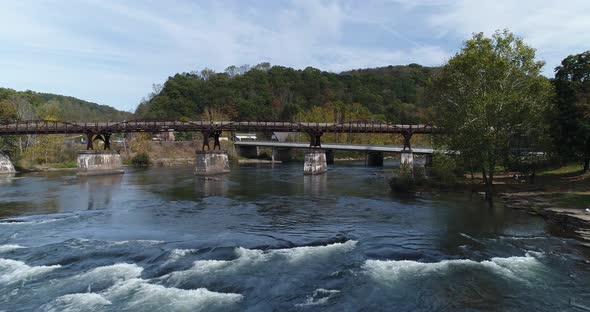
248, 151
6, 166
315, 162
99, 162
329, 157
211, 162
374, 159
407, 159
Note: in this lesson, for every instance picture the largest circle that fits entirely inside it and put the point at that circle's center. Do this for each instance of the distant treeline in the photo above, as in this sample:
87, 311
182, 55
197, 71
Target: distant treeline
392, 93
29, 105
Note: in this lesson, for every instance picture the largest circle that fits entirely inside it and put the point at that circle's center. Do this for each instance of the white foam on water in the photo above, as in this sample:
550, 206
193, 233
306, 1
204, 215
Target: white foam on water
77, 302
139, 241
140, 295
390, 271
13, 271
292, 255
10, 247
179, 253
176, 254
320, 296
210, 266
306, 252
30, 221
251, 258
110, 273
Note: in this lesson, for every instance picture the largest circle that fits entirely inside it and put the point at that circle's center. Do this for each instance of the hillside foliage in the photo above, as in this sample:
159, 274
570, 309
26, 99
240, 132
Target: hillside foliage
29, 105
392, 94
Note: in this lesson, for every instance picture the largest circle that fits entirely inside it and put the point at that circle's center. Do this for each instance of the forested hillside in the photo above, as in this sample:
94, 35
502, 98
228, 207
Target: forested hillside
27, 105
393, 94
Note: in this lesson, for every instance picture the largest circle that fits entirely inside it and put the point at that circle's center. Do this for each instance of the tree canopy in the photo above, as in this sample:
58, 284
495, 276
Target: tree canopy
33, 105
572, 108
264, 92
486, 95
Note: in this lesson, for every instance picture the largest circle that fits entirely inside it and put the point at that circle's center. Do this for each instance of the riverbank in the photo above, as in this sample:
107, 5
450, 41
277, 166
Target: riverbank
560, 196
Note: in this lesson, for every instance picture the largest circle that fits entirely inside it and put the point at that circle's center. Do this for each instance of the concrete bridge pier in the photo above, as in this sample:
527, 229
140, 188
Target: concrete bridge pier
315, 162
407, 159
248, 151
374, 159
92, 162
330, 157
6, 166
211, 162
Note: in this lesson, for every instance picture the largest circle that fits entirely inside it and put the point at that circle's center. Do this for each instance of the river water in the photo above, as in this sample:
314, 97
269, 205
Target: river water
266, 238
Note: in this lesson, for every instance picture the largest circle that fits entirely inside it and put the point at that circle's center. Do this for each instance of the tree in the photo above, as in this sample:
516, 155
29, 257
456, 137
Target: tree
572, 109
487, 94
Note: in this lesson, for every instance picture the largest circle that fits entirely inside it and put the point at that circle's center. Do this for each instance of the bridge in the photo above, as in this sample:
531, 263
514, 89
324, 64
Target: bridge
210, 129
103, 131
340, 147
374, 153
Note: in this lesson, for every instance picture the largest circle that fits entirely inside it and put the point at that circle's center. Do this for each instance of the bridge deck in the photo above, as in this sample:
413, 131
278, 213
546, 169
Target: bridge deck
333, 146
55, 127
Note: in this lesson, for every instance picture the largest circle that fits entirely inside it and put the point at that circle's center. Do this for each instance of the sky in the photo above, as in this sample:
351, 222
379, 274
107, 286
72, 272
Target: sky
112, 51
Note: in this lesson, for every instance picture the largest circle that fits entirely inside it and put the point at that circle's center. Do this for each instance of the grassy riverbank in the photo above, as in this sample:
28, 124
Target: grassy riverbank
560, 195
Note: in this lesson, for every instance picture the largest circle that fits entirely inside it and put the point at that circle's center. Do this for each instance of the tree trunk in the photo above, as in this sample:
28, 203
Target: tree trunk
586, 164
489, 181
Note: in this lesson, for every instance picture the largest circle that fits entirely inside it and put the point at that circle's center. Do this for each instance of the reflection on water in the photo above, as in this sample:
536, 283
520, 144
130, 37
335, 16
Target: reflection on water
98, 190
6, 178
212, 186
315, 184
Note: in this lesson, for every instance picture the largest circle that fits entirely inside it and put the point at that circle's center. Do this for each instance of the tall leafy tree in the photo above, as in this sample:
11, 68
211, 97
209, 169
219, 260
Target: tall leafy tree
486, 95
572, 118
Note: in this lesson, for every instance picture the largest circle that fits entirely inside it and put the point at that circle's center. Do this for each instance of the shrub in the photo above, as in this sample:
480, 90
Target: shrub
445, 170
141, 160
407, 180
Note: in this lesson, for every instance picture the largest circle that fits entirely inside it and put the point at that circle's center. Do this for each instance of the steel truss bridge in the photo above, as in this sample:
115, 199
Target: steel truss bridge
210, 129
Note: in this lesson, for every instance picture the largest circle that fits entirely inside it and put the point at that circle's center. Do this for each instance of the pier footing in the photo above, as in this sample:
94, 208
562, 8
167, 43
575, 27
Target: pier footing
407, 159
211, 162
315, 162
6, 166
99, 162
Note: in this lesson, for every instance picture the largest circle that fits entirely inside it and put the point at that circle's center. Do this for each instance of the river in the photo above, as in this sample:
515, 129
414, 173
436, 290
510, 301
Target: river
266, 238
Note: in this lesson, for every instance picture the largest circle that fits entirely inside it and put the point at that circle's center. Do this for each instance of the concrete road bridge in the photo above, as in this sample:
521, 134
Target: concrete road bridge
103, 131
374, 153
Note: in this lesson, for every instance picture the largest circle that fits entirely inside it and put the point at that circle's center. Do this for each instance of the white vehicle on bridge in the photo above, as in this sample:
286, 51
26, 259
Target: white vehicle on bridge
245, 137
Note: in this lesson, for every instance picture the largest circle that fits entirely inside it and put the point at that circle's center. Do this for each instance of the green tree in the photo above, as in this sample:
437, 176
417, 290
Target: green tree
487, 94
572, 109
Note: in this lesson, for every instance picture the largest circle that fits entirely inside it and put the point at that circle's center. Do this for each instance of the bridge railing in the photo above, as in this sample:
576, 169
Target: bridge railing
53, 126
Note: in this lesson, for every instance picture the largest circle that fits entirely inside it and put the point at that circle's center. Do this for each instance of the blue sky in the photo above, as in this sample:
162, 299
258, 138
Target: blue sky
111, 52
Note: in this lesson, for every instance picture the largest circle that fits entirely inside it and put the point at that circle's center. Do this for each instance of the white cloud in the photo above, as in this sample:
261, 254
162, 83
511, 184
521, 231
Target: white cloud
112, 51
554, 28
